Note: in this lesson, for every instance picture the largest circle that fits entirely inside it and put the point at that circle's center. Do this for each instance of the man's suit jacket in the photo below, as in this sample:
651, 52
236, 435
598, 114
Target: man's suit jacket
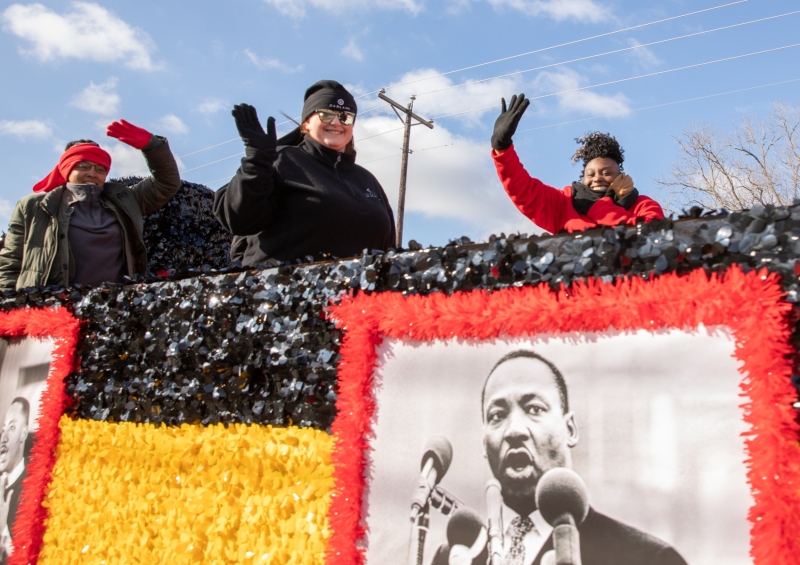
605, 541
13, 505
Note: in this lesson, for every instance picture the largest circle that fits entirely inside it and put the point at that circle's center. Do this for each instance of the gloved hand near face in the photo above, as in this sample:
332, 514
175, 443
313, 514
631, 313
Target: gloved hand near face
622, 185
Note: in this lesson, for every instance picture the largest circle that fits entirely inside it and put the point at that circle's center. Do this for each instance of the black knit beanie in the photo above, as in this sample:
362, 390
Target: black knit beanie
328, 94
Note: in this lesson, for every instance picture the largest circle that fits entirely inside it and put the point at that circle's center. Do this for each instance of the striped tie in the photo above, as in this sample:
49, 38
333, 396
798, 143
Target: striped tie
519, 529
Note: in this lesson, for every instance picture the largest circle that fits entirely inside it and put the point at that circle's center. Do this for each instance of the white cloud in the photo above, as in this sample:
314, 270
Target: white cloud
642, 56
297, 8
5, 209
271, 63
455, 7
125, 160
88, 32
356, 89
98, 98
457, 181
212, 106
171, 124
559, 10
583, 101
448, 100
353, 51
129, 161
25, 129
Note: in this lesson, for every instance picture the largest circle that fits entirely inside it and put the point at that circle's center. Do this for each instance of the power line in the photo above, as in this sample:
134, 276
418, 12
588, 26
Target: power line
543, 49
209, 183
608, 53
585, 58
493, 62
696, 65
415, 151
547, 126
213, 162
377, 135
618, 81
593, 86
609, 115
206, 149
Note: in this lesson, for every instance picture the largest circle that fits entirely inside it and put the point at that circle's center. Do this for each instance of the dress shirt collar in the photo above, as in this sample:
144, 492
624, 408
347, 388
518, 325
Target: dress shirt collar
534, 540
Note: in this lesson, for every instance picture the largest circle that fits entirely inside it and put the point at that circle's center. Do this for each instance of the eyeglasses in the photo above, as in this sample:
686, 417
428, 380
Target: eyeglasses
345, 118
85, 166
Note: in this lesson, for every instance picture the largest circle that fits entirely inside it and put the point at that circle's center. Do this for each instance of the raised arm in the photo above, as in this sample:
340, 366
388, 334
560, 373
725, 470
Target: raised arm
164, 180
543, 204
245, 206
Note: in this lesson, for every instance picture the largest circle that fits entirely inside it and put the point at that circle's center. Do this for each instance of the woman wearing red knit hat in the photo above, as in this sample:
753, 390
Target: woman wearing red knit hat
79, 229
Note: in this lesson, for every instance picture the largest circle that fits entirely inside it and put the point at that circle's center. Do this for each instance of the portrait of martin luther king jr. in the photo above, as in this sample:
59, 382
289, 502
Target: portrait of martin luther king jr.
528, 430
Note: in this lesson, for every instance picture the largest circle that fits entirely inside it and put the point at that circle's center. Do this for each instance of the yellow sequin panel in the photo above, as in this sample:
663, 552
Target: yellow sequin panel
139, 493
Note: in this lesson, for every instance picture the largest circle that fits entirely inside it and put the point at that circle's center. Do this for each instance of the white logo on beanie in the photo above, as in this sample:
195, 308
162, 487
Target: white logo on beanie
340, 102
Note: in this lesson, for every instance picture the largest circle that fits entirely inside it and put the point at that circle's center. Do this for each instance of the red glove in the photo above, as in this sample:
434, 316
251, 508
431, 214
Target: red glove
128, 133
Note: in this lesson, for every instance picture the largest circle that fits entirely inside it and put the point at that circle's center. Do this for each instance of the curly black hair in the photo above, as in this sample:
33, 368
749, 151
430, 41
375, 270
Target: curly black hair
79, 142
597, 144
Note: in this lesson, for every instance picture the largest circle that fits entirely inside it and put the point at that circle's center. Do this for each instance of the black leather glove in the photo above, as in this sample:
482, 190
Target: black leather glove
250, 129
507, 122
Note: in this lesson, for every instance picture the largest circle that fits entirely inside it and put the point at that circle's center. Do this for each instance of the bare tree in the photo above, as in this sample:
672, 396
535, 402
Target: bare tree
757, 162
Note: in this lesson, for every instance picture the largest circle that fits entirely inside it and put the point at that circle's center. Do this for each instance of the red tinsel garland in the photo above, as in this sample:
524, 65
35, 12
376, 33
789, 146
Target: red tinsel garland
59, 324
751, 305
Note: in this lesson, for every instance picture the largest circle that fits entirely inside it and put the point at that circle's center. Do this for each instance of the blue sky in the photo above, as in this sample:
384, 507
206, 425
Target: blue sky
176, 68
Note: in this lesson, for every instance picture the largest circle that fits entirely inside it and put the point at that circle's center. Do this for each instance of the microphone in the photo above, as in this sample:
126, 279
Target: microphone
466, 537
562, 500
494, 505
435, 462
443, 501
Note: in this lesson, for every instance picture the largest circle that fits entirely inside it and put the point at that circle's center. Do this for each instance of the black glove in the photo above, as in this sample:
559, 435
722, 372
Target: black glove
250, 129
507, 122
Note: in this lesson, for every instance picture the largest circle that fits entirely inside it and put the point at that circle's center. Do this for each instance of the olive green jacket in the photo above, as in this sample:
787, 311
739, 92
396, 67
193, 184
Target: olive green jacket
36, 250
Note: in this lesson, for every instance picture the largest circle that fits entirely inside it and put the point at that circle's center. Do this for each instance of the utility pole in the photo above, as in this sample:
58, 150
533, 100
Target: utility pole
401, 200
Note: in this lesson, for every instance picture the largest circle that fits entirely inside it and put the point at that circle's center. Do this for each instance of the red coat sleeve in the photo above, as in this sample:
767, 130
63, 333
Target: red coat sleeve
545, 205
646, 208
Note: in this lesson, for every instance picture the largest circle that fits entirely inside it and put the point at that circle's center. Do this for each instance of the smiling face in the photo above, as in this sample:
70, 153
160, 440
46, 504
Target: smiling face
12, 438
525, 431
334, 135
87, 172
599, 173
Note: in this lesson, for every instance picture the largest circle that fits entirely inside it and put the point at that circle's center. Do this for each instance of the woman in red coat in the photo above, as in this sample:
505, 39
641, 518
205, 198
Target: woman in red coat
604, 197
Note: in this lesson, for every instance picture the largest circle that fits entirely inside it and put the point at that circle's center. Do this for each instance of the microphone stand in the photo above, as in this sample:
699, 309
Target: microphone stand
419, 529
566, 540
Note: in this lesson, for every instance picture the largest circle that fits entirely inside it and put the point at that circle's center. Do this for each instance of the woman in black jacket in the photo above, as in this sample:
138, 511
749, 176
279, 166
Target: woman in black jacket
303, 196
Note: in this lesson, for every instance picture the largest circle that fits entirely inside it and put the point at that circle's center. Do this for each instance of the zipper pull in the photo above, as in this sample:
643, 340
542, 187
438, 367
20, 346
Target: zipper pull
338, 159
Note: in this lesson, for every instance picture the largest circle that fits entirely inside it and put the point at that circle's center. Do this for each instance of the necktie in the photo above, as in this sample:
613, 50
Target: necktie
518, 529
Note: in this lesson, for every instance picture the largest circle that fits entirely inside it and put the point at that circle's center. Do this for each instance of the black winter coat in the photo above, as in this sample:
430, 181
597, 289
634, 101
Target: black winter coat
302, 201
